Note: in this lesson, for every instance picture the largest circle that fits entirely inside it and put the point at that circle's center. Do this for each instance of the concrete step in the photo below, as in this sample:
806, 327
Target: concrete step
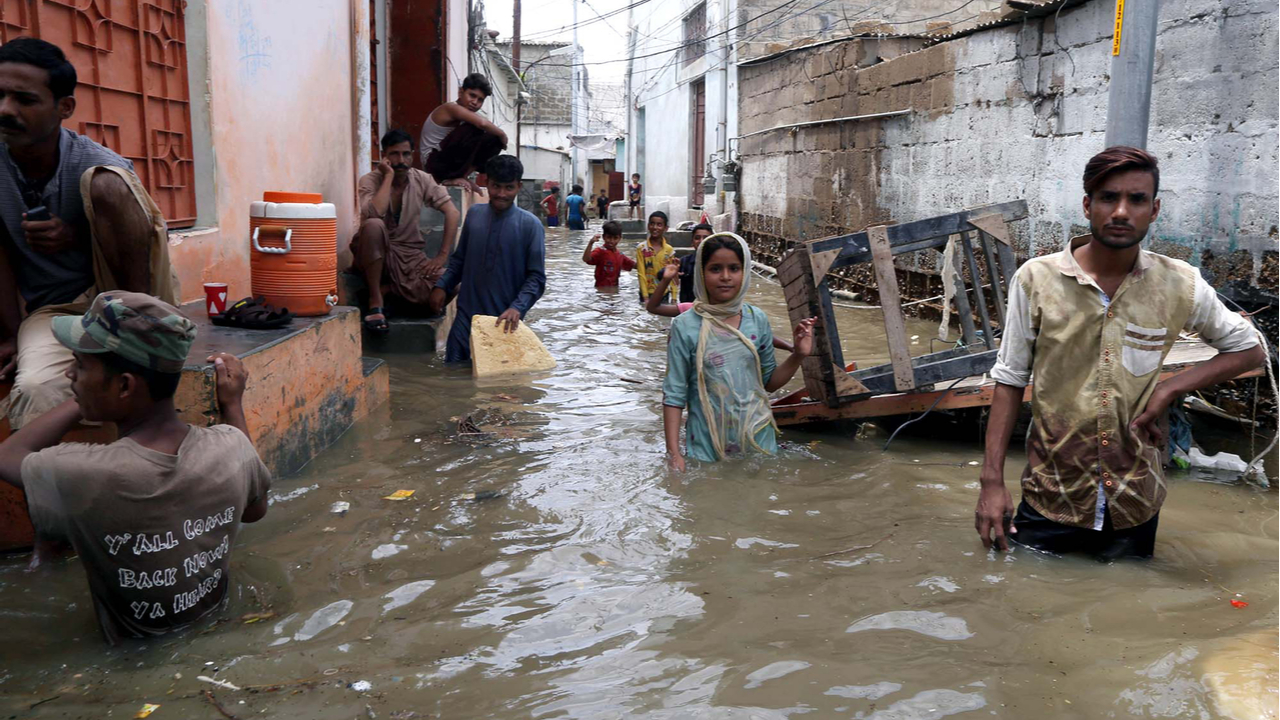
308, 382
411, 333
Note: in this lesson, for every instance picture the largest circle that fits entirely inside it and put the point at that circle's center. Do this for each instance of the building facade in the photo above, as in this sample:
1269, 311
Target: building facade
682, 81
1013, 110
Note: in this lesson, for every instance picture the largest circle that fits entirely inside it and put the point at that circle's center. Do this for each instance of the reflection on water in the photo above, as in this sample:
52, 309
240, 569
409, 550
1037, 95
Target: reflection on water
834, 581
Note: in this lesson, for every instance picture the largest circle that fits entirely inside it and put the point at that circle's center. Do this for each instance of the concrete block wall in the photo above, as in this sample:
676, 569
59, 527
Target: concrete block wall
1015, 112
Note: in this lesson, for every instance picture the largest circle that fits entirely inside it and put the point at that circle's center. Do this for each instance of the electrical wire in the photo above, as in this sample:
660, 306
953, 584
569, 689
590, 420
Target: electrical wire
683, 44
578, 26
921, 417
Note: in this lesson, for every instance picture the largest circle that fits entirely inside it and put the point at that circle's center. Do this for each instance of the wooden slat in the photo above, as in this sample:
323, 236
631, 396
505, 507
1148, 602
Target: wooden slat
827, 314
993, 272
929, 373
916, 362
979, 296
967, 394
918, 235
803, 301
963, 309
1008, 265
821, 263
845, 383
895, 324
792, 266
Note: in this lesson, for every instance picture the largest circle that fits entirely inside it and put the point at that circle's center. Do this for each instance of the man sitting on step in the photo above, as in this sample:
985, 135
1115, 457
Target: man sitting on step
74, 221
390, 250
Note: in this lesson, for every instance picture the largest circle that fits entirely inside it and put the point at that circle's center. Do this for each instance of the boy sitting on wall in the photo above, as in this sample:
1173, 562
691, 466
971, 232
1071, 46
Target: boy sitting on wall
456, 140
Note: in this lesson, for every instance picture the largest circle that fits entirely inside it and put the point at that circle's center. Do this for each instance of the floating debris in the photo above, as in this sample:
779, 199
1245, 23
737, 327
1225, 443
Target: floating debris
340, 508
482, 495
400, 495
220, 683
147, 709
361, 686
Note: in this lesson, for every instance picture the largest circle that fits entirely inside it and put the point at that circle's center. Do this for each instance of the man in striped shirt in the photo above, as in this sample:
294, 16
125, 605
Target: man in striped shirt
74, 221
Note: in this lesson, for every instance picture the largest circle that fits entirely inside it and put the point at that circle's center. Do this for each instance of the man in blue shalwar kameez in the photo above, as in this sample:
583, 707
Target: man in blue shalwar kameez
499, 261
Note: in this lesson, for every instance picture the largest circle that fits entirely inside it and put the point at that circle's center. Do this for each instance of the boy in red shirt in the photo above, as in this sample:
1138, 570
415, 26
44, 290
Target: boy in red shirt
608, 261
550, 202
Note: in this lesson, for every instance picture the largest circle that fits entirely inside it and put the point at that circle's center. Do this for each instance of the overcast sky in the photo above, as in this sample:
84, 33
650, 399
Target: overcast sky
600, 41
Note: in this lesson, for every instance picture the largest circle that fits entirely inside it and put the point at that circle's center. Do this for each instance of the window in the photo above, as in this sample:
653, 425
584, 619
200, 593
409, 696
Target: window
695, 34
131, 62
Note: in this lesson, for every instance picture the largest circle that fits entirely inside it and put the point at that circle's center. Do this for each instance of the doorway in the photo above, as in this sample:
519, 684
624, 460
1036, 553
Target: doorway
699, 135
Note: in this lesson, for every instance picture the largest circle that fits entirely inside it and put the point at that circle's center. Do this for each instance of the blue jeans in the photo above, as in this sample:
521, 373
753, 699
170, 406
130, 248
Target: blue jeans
576, 224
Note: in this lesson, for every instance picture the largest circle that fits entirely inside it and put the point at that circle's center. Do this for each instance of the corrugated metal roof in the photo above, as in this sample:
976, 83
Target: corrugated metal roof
1016, 12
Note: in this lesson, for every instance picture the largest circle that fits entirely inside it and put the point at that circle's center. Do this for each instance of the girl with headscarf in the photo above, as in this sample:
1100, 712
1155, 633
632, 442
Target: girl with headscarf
720, 362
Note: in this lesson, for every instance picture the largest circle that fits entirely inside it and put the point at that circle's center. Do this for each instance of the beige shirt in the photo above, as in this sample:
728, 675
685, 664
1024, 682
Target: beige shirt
420, 190
1096, 361
153, 531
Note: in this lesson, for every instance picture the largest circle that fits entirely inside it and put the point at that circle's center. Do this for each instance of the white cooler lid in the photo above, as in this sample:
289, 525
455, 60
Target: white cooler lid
286, 211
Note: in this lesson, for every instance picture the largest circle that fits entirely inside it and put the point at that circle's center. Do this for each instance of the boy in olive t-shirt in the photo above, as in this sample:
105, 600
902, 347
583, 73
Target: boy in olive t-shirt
154, 515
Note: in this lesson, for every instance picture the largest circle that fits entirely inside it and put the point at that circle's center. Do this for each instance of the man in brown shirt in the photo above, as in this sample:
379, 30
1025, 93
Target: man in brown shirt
154, 515
1093, 324
390, 250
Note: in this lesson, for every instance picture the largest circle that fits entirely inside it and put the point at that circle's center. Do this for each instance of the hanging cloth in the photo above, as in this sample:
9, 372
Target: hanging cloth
730, 380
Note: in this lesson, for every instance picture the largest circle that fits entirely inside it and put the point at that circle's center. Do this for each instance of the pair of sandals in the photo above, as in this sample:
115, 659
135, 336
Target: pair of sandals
253, 314
377, 326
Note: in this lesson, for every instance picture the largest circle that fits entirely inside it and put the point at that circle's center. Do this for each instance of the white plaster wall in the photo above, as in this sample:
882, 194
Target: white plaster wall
270, 67
455, 45
1024, 124
663, 86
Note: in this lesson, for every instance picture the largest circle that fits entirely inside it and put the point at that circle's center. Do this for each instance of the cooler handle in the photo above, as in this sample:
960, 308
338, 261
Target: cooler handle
288, 233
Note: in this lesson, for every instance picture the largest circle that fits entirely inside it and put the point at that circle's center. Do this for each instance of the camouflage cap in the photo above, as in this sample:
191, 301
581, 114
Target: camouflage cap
137, 327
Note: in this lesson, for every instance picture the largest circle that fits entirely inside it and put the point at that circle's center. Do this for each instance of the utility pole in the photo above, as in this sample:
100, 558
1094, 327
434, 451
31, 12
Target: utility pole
573, 101
1133, 56
515, 65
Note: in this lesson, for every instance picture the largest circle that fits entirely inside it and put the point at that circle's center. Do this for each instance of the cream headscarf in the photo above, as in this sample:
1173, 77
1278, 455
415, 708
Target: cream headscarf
753, 399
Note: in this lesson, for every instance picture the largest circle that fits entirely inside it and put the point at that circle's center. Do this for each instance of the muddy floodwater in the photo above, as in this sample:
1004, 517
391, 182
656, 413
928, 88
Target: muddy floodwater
835, 580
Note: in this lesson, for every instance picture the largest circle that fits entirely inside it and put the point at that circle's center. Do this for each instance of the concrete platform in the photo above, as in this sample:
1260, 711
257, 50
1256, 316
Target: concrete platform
308, 382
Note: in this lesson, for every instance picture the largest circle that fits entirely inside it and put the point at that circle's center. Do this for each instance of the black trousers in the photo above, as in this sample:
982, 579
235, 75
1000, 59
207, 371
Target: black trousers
1040, 533
465, 148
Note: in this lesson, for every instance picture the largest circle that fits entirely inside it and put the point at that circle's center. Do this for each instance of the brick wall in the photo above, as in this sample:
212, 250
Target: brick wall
1014, 112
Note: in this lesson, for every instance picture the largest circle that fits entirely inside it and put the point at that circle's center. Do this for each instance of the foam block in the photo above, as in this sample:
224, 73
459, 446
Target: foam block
494, 352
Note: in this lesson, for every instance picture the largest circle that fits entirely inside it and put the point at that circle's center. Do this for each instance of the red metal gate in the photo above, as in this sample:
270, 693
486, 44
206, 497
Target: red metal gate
131, 61
416, 62
699, 164
615, 187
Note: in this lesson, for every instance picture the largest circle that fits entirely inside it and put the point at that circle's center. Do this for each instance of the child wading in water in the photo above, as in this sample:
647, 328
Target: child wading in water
652, 255
720, 362
608, 261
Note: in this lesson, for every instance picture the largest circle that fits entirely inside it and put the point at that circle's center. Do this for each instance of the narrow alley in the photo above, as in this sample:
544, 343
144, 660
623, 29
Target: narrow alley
550, 566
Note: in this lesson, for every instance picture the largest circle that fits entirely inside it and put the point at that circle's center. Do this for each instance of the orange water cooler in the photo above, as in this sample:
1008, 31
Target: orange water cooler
293, 262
